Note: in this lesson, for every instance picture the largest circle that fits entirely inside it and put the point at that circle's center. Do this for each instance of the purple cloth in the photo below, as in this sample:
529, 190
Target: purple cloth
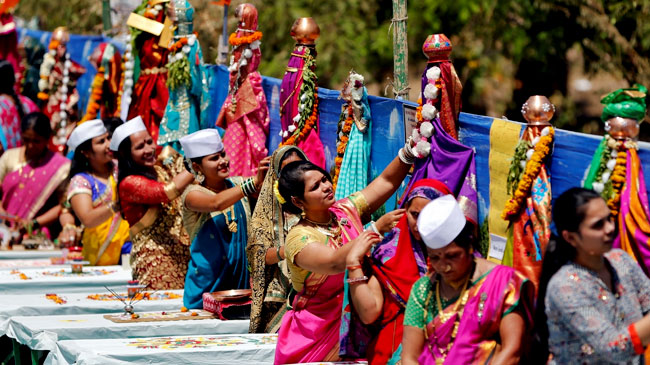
289, 100
452, 163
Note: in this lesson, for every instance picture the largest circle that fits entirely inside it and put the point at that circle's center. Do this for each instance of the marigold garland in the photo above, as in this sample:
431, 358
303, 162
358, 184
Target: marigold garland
542, 150
178, 45
20, 274
618, 181
247, 39
138, 296
55, 298
342, 144
309, 125
95, 96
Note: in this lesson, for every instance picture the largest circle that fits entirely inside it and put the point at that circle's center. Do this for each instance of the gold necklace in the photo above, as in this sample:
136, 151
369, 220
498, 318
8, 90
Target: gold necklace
332, 228
458, 311
232, 223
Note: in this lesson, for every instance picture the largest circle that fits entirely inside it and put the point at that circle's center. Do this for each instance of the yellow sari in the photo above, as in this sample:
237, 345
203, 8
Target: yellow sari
102, 245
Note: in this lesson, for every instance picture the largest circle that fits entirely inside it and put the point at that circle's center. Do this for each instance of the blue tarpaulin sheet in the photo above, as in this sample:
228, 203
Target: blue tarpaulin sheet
571, 156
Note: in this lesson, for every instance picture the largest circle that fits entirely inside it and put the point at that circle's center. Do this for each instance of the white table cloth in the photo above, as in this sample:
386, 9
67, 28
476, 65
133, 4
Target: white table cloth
42, 332
28, 254
220, 349
76, 303
28, 263
54, 280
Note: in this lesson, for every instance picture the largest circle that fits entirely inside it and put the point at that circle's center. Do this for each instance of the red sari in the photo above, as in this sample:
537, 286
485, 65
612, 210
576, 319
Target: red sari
160, 243
397, 263
150, 94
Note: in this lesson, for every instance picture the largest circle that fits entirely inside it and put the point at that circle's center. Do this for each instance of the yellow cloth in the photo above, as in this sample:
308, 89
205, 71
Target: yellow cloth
112, 233
504, 137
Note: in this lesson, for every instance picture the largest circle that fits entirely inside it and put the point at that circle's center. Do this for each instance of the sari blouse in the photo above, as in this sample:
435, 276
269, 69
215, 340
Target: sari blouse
588, 323
302, 235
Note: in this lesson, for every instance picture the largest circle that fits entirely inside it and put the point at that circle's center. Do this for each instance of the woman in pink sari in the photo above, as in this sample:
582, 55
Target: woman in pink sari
468, 310
33, 177
316, 250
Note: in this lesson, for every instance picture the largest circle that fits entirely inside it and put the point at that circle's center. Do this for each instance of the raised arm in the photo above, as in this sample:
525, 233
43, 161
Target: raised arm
381, 188
199, 201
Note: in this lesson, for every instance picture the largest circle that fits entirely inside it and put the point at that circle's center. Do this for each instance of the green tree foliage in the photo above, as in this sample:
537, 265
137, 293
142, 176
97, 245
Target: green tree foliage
504, 50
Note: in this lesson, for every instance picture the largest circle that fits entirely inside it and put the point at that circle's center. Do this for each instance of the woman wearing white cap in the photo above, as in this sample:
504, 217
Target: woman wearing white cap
148, 187
92, 194
216, 214
467, 310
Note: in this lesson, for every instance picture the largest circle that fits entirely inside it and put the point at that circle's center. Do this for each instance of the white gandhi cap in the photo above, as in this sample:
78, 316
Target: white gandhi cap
202, 143
85, 131
440, 222
124, 131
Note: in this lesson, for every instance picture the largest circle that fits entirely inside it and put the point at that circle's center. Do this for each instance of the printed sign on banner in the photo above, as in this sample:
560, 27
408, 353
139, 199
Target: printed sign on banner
410, 120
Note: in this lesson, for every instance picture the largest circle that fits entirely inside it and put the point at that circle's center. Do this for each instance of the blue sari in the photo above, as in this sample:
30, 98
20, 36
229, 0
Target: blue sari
217, 256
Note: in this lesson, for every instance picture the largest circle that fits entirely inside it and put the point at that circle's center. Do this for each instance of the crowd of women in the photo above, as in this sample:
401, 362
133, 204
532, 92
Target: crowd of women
410, 287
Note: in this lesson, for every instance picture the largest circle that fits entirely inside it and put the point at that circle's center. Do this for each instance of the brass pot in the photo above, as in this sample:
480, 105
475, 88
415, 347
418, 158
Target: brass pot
538, 110
305, 31
622, 128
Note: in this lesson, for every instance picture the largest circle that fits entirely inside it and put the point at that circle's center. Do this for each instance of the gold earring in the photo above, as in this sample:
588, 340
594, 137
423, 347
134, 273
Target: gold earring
303, 214
200, 177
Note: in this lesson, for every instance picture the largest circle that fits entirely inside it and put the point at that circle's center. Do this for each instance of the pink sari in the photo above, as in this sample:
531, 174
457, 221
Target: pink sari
26, 189
310, 331
248, 126
492, 297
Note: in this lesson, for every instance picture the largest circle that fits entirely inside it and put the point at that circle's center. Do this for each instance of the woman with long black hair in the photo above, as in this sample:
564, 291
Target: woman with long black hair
148, 187
593, 300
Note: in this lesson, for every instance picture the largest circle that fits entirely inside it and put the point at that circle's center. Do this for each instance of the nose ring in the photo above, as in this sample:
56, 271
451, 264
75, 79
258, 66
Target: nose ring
448, 268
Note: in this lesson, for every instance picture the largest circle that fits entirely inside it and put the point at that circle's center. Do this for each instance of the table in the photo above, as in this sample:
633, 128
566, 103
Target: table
53, 280
76, 303
29, 254
42, 332
220, 349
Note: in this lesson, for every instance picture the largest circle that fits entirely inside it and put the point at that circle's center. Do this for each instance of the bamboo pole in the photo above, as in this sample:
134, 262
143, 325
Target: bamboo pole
106, 17
400, 50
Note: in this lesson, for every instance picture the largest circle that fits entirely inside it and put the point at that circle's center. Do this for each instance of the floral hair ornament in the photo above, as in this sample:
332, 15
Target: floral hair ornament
276, 192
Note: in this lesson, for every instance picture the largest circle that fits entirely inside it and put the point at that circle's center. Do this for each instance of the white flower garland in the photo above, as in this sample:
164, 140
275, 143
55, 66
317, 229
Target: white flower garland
531, 149
599, 184
184, 51
127, 86
421, 135
49, 61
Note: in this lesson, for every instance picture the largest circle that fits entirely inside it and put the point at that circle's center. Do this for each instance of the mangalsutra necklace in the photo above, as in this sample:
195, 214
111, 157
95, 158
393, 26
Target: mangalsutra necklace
232, 222
457, 311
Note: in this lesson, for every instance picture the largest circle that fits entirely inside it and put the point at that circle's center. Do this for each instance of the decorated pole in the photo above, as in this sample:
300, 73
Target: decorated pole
400, 50
222, 58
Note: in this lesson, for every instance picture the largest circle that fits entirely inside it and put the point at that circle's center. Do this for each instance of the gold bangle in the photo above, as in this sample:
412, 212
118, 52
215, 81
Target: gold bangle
172, 191
68, 226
